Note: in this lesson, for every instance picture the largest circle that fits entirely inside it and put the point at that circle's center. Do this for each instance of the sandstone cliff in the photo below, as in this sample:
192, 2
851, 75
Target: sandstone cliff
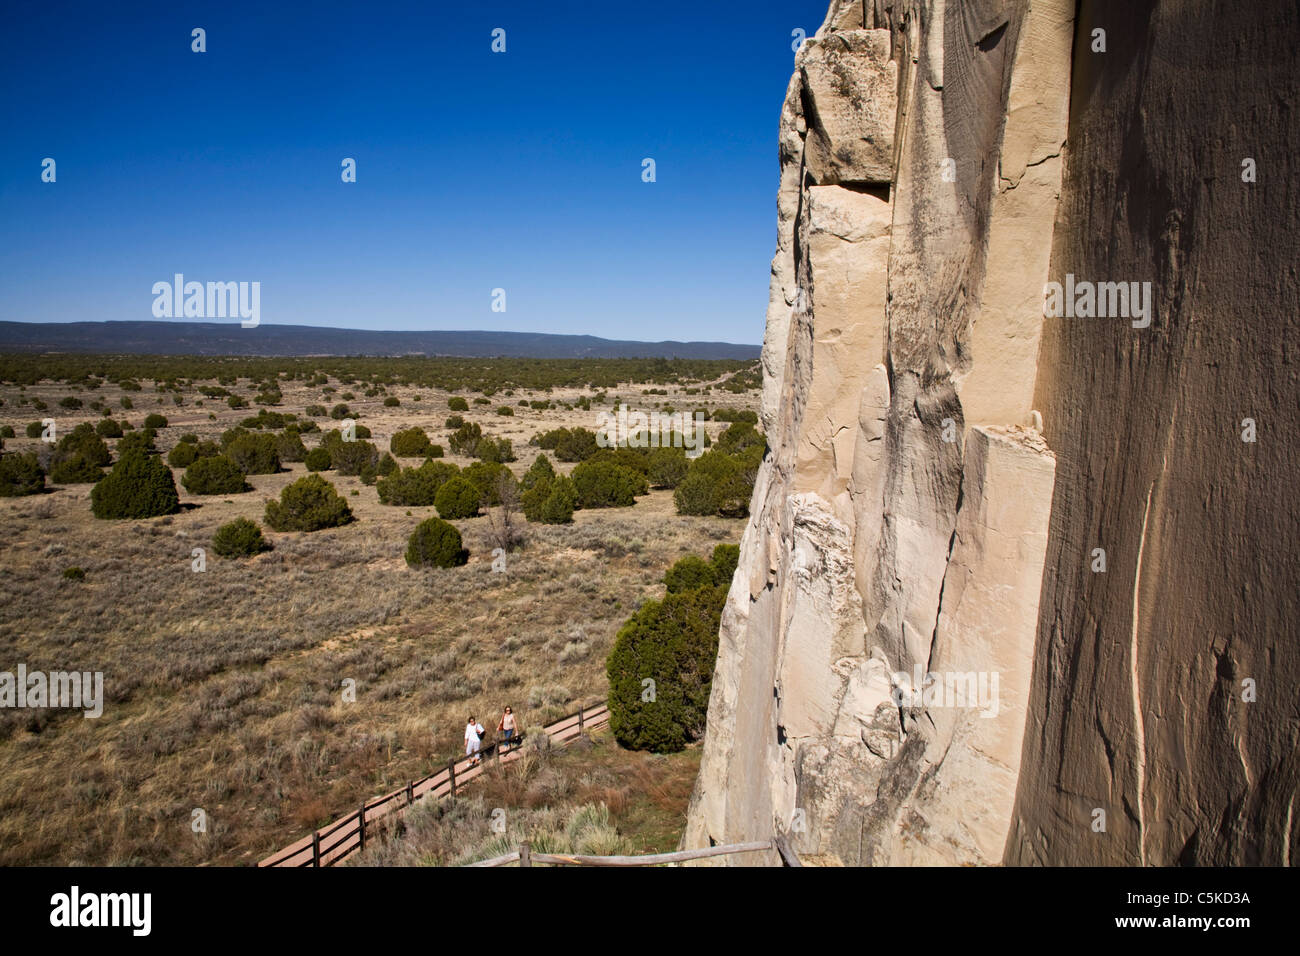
1017, 588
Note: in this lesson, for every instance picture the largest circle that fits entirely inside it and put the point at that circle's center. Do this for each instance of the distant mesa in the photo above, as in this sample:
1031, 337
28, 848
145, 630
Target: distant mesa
216, 338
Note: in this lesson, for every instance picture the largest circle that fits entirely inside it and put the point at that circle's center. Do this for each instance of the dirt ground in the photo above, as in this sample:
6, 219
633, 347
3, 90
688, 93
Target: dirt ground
223, 688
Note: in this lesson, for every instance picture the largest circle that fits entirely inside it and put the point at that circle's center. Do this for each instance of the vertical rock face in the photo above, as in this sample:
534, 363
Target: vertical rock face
918, 663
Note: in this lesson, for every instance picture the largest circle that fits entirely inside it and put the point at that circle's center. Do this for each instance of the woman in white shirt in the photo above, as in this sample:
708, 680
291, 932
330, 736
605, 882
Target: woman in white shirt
473, 732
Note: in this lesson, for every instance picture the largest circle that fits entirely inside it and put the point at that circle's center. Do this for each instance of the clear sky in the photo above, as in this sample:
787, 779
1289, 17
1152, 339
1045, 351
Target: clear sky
476, 170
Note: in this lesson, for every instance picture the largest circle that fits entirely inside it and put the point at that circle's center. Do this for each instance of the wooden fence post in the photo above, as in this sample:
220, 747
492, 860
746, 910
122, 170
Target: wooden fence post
410, 792
451, 775
361, 819
525, 854
579, 716
315, 848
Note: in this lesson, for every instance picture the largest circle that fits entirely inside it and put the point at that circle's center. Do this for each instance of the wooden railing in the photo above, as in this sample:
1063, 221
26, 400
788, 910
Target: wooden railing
347, 835
526, 857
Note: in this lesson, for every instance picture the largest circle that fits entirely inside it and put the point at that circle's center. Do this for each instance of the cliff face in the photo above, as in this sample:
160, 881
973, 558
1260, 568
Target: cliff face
922, 659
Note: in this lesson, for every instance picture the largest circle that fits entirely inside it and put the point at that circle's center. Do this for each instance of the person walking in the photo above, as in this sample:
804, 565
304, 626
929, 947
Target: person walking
473, 739
506, 726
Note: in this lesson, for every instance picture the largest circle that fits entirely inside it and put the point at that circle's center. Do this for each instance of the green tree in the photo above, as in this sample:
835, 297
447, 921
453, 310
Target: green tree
458, 498
673, 645
309, 504
603, 484
139, 486
240, 538
21, 475
410, 443
416, 487
667, 467
214, 476
550, 500
318, 459
289, 446
435, 543
254, 454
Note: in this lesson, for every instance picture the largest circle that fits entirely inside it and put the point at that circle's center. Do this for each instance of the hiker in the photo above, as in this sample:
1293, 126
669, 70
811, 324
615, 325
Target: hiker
506, 726
473, 737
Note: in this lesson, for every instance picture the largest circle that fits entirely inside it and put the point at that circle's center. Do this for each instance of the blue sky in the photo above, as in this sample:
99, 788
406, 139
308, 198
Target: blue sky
475, 170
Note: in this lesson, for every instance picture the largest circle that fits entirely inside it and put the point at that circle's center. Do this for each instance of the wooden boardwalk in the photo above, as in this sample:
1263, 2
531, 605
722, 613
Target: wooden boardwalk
347, 835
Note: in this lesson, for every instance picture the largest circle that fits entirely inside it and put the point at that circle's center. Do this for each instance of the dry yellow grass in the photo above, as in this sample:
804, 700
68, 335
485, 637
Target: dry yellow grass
223, 688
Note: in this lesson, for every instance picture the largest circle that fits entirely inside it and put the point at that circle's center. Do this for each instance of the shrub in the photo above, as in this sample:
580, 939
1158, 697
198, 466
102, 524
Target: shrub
391, 401
387, 465
354, 457
416, 487
495, 450
214, 476
34, 429
578, 444
126, 403
141, 441
340, 412
740, 436
673, 642
289, 446
691, 572
457, 404
253, 454
265, 419
139, 486
21, 475
453, 422
74, 573
435, 451
481, 401
410, 443
667, 467
6, 431
435, 543
75, 470
540, 470
240, 538
487, 476
457, 498
505, 410
155, 421
465, 439
318, 459
603, 484
550, 500
309, 504
637, 460
717, 483
79, 456
315, 411
69, 402
107, 428
234, 401
183, 455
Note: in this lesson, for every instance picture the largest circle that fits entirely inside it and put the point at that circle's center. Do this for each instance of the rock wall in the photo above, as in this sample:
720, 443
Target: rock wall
919, 660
